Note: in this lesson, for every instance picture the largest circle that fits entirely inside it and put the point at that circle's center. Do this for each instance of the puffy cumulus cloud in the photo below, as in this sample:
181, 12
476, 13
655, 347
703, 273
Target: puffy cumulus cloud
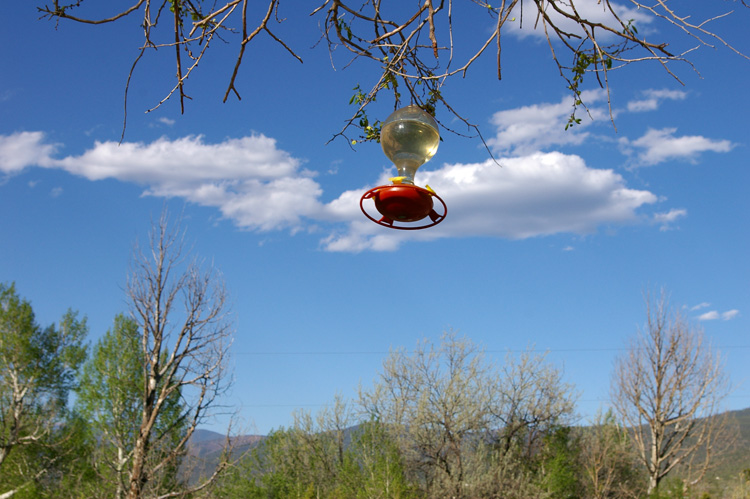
185, 161
652, 99
528, 196
271, 205
536, 195
260, 187
532, 128
592, 10
249, 179
658, 146
23, 149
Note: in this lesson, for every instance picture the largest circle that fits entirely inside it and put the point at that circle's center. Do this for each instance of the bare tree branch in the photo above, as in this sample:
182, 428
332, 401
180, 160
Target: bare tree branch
185, 348
404, 41
669, 388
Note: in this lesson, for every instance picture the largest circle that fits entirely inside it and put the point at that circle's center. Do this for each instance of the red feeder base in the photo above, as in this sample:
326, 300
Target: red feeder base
403, 203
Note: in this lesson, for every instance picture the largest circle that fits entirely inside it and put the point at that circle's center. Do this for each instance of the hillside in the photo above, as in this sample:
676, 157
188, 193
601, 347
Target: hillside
205, 449
206, 446
733, 462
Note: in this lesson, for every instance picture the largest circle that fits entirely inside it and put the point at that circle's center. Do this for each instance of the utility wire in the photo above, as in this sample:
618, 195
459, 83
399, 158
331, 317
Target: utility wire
535, 350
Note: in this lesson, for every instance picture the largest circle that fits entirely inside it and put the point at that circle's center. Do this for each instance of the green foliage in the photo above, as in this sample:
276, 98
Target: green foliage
671, 488
38, 367
190, 10
443, 423
72, 470
466, 427
608, 460
112, 380
343, 27
110, 398
583, 61
276, 468
44, 359
373, 465
297, 463
560, 475
370, 132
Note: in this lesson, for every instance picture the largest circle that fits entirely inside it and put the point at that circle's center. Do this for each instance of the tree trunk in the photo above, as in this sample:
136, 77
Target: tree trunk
120, 467
137, 478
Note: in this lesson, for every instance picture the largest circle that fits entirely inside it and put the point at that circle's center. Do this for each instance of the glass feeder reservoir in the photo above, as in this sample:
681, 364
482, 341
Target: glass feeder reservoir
410, 138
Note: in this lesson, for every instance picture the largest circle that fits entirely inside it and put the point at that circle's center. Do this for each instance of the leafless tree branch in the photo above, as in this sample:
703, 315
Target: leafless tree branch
404, 42
185, 348
669, 388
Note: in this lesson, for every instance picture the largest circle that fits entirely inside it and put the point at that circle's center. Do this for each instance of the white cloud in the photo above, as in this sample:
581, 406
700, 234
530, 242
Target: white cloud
534, 195
533, 128
730, 314
166, 121
248, 179
715, 315
653, 98
56, 192
23, 149
593, 10
259, 187
699, 306
665, 219
185, 161
709, 316
657, 146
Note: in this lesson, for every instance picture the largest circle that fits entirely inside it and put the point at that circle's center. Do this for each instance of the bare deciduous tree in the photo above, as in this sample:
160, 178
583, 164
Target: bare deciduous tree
608, 460
185, 335
462, 423
412, 46
530, 399
323, 438
434, 400
668, 388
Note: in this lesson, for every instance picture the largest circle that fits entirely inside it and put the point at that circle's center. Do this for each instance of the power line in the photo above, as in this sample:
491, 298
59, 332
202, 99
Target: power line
383, 352
296, 406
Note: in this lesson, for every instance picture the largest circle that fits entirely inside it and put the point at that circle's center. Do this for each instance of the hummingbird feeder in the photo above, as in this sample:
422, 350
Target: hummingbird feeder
409, 138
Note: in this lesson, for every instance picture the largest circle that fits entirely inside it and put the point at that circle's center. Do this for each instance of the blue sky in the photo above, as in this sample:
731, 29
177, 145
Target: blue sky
552, 250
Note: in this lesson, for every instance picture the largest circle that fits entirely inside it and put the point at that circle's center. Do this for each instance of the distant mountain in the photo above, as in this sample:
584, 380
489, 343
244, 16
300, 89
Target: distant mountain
204, 435
206, 447
204, 443
732, 462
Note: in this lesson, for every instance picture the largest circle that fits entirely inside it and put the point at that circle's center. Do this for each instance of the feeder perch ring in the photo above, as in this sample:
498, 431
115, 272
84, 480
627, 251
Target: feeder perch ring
404, 203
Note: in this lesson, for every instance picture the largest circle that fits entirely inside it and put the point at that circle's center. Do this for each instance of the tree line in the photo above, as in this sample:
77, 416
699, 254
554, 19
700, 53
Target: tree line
114, 419
445, 422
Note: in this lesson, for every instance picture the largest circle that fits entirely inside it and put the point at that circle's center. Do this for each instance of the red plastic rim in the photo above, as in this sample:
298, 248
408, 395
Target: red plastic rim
403, 203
